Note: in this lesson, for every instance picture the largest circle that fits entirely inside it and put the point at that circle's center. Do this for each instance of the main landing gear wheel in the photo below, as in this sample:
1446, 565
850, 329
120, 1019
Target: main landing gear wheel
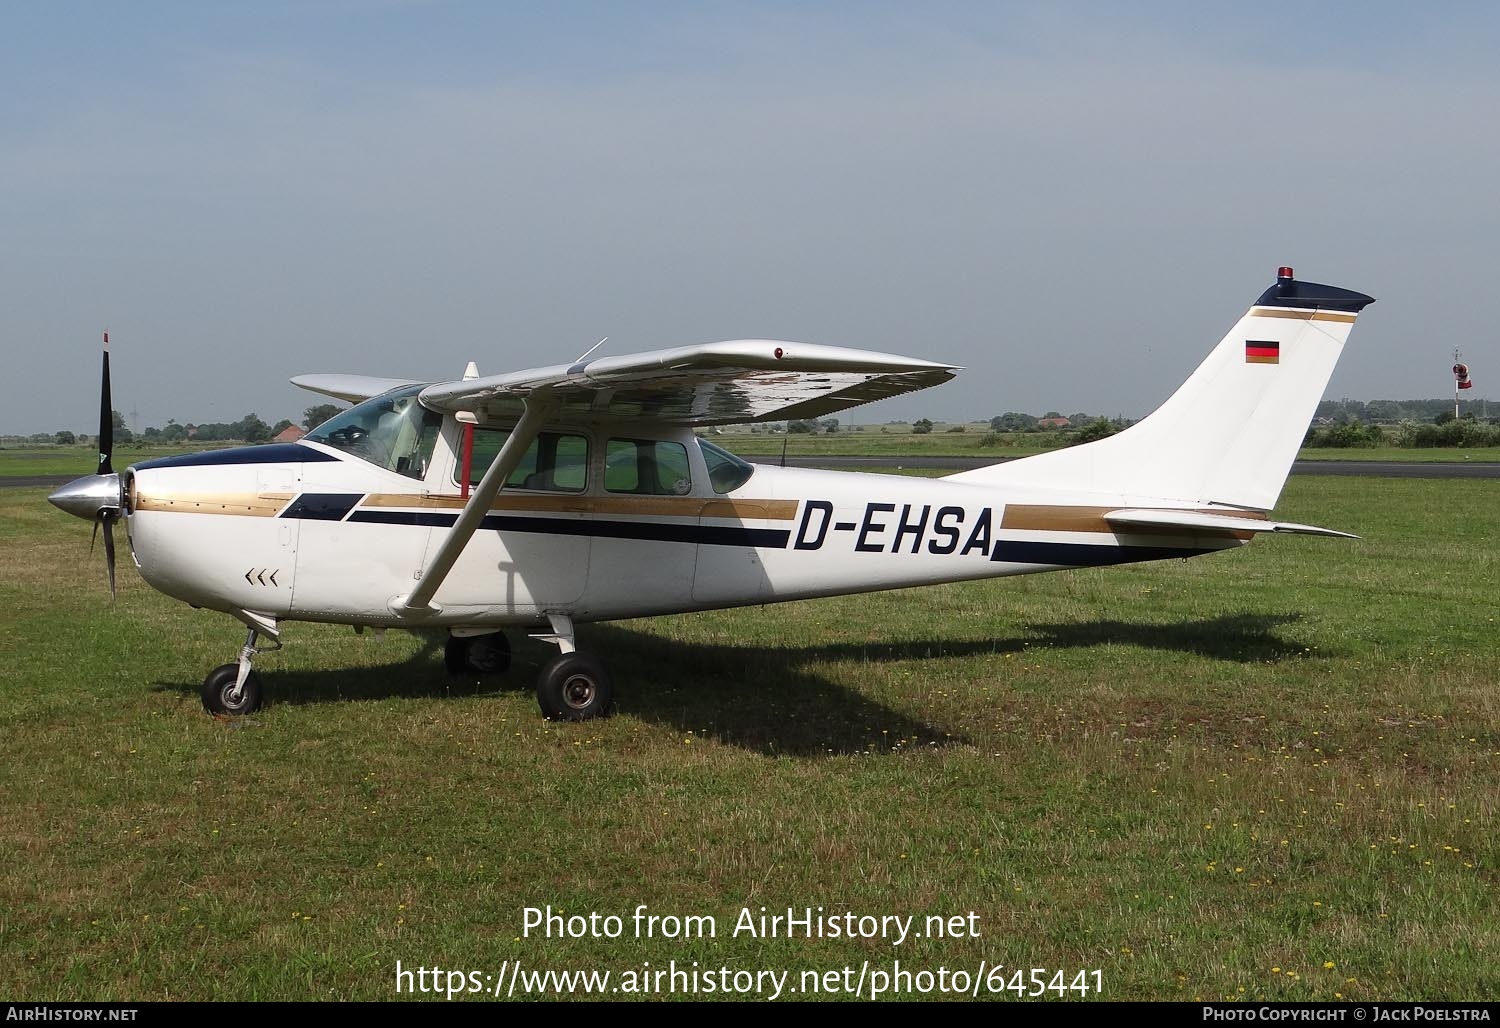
221, 697
479, 654
574, 687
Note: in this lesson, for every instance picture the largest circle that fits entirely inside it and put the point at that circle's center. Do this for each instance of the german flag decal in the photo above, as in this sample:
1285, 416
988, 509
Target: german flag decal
1259, 351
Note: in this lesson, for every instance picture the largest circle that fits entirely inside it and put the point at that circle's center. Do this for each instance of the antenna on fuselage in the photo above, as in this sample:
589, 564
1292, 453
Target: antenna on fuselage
585, 355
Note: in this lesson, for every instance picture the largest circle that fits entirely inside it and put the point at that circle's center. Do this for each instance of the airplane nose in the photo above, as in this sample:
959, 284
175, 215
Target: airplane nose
88, 496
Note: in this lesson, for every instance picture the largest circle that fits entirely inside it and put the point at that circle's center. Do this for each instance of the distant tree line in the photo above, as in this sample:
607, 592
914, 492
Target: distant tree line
1409, 424
811, 427
249, 429
1393, 412
1052, 421
1444, 431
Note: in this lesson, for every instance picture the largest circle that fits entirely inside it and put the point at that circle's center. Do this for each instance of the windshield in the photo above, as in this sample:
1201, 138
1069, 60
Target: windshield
726, 472
392, 430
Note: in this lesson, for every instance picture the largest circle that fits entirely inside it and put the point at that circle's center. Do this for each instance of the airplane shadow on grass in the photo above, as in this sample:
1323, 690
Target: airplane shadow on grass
770, 700
1243, 638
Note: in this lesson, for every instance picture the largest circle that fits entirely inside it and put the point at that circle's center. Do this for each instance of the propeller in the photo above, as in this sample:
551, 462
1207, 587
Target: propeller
98, 497
108, 520
106, 417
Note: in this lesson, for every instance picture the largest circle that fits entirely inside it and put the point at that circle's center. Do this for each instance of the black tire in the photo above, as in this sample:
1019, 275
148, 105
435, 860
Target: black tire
477, 654
574, 687
489, 654
220, 683
456, 655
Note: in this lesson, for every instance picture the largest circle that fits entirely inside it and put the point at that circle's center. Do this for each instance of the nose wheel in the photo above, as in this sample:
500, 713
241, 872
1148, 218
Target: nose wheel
233, 690
223, 694
573, 686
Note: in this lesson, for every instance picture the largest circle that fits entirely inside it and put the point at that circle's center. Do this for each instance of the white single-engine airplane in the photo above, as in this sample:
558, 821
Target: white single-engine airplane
580, 492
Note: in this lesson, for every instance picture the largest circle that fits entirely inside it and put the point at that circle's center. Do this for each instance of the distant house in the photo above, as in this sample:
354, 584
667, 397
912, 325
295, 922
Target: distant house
1053, 423
191, 430
290, 434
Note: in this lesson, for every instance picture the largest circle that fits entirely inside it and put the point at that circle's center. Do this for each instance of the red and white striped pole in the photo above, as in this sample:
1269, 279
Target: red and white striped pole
467, 419
1461, 379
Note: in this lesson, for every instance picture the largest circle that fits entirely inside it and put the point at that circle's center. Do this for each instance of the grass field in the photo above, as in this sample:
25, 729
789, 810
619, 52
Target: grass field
1420, 455
1272, 773
78, 460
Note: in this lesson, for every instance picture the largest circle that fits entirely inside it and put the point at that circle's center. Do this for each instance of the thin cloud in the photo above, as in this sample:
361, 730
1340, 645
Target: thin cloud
1074, 222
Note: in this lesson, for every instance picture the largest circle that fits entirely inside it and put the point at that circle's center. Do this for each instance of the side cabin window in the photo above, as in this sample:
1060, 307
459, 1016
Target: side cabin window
393, 430
647, 467
556, 462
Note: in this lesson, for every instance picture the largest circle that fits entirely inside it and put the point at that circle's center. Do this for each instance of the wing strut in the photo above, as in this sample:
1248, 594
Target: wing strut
538, 407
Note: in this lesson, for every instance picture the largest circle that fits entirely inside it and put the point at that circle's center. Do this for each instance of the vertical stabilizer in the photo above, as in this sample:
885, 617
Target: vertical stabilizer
1230, 433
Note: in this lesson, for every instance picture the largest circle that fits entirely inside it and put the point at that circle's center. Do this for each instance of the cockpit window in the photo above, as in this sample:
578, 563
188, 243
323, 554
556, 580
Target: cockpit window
726, 472
556, 462
393, 430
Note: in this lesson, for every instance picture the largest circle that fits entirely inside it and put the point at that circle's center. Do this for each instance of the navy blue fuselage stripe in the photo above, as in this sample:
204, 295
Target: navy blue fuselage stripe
273, 453
1081, 555
714, 535
322, 506
334, 507
417, 518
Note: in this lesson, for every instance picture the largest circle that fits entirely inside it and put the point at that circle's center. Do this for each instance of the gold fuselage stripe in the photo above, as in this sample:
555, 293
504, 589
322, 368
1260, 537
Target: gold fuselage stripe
253, 505
653, 506
1283, 312
268, 505
1050, 518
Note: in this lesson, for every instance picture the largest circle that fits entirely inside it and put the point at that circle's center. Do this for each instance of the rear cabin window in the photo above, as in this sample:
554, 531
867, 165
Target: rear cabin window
647, 467
556, 462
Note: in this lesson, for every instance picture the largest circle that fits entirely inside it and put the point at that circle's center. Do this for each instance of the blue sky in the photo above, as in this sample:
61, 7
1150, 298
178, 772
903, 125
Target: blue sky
1074, 201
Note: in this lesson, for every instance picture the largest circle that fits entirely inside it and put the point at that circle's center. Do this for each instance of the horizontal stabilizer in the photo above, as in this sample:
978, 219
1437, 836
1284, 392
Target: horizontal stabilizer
1197, 520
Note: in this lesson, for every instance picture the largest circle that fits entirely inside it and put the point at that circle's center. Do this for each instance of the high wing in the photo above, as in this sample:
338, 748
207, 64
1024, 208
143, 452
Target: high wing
708, 384
353, 388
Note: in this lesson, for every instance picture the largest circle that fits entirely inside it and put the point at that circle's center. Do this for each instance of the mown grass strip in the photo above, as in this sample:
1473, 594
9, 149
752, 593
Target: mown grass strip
1264, 774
